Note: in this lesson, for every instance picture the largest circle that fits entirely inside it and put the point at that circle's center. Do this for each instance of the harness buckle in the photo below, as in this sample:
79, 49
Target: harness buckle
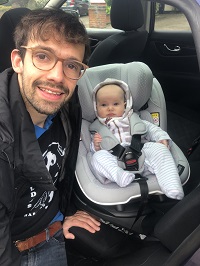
130, 159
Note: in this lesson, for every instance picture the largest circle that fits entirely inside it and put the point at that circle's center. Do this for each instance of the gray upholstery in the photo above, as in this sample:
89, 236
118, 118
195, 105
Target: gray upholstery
128, 45
144, 87
137, 75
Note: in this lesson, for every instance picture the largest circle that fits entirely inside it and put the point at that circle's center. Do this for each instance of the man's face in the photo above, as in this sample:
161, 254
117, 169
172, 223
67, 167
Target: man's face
45, 92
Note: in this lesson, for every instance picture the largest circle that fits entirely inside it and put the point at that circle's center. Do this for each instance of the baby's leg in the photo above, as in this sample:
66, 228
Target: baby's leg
107, 170
159, 160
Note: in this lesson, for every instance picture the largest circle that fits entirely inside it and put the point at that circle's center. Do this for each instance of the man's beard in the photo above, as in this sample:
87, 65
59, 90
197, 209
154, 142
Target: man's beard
42, 106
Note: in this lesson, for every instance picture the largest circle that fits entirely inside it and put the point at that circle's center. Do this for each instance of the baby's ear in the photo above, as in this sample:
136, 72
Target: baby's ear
125, 104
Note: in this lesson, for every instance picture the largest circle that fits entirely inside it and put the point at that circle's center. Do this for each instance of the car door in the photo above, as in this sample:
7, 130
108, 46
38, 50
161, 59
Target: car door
171, 55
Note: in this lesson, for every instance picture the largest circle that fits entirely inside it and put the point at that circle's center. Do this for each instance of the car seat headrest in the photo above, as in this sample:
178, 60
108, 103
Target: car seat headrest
130, 13
8, 22
137, 75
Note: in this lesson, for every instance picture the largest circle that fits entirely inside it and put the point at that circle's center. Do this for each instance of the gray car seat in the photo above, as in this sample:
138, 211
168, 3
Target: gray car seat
148, 100
129, 44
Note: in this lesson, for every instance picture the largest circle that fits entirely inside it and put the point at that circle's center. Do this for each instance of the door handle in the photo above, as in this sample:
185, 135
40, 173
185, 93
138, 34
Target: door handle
175, 49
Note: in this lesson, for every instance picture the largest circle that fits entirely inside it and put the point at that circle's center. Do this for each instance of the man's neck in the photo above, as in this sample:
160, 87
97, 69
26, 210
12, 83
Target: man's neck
37, 119
39, 124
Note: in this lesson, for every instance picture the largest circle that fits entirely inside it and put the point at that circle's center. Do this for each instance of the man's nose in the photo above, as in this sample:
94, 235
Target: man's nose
56, 73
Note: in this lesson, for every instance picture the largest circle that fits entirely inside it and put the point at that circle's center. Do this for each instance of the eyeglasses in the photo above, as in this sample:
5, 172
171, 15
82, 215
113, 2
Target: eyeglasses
45, 60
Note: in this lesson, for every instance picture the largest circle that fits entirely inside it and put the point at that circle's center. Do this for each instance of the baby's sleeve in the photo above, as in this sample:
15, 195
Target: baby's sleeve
155, 133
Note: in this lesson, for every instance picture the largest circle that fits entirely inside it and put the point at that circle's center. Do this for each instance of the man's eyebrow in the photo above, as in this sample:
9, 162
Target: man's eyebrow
49, 49
44, 48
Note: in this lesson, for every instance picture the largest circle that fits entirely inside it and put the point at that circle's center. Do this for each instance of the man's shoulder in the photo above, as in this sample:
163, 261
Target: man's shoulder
5, 77
7, 73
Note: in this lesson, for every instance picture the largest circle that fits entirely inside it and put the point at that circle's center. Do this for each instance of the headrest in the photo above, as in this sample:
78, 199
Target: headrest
8, 22
130, 13
137, 75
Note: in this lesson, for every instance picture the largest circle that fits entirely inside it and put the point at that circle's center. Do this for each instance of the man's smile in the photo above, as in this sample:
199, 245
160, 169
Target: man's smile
50, 91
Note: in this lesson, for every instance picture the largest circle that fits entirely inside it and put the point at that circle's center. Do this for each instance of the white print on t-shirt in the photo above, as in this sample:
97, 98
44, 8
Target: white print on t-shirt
50, 156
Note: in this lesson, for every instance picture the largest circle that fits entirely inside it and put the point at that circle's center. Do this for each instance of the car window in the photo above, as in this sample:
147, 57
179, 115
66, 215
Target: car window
169, 18
96, 14
33, 4
92, 13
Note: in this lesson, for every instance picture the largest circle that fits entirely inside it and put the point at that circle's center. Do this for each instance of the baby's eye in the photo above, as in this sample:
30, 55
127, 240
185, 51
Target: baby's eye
103, 104
116, 104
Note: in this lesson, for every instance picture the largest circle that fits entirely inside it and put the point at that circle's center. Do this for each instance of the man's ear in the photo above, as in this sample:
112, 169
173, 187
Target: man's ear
16, 61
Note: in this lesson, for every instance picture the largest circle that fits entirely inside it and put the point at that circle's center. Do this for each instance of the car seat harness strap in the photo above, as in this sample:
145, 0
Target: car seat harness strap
144, 190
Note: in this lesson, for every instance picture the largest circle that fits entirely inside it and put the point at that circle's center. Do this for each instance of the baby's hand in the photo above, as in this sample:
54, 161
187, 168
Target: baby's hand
165, 142
97, 140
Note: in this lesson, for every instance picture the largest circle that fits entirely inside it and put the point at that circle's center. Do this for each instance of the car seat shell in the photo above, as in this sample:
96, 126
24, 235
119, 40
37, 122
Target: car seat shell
145, 90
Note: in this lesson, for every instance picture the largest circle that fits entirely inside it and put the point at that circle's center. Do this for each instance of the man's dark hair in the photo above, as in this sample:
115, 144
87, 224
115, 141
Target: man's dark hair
43, 24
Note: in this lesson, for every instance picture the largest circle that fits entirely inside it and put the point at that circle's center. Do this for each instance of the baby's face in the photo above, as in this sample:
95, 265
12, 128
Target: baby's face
110, 101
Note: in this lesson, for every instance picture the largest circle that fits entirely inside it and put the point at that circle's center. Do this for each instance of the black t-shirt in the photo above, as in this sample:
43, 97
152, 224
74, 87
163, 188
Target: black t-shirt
37, 208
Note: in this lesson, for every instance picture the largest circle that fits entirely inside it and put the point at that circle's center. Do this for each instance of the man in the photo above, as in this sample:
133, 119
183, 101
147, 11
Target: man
40, 121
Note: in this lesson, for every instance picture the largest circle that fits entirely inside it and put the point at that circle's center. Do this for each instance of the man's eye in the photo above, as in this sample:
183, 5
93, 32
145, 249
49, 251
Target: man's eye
73, 67
41, 57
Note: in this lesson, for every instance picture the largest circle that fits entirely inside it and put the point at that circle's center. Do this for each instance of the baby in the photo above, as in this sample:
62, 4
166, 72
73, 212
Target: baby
113, 107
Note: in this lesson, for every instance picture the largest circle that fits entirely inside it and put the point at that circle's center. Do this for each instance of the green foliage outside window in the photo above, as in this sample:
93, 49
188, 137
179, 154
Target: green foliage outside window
108, 2
108, 6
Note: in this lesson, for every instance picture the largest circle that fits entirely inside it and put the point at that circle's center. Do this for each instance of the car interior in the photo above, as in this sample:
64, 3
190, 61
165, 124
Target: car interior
129, 44
143, 228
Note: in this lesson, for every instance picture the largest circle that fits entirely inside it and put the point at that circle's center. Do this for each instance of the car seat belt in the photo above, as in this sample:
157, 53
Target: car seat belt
194, 146
144, 190
144, 199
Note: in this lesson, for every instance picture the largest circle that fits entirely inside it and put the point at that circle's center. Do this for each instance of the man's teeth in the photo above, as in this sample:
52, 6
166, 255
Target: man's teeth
51, 92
